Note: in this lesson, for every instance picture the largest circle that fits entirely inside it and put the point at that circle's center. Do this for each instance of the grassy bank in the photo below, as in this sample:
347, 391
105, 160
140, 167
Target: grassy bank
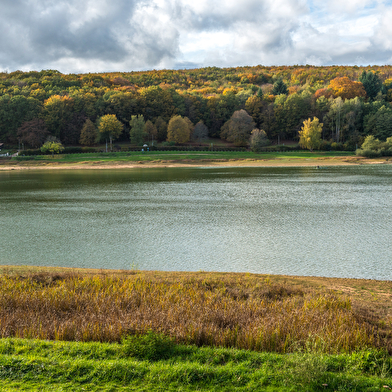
75, 366
159, 157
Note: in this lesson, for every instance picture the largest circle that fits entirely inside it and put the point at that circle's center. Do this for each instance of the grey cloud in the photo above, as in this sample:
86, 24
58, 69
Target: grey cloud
43, 32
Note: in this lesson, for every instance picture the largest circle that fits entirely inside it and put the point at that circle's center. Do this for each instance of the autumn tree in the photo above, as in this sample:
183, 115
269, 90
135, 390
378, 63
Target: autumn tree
200, 131
88, 135
258, 139
110, 127
191, 126
136, 132
33, 132
178, 130
254, 106
237, 130
310, 134
151, 131
345, 88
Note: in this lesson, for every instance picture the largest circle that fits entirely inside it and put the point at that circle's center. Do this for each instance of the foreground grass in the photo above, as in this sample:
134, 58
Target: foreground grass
172, 331
75, 366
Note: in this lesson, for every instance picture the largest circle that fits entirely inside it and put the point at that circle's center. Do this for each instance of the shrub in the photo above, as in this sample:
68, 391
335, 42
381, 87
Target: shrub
368, 153
151, 346
337, 146
72, 150
325, 146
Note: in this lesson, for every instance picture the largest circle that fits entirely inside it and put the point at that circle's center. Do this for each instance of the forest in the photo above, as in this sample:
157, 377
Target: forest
182, 106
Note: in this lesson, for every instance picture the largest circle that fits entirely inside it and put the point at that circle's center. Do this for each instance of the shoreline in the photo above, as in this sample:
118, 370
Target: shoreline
246, 162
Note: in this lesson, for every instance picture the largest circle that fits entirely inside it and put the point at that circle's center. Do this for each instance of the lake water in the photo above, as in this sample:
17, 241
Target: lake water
298, 221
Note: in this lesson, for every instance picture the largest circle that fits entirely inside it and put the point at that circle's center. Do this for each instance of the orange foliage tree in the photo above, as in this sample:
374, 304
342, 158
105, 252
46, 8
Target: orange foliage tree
346, 89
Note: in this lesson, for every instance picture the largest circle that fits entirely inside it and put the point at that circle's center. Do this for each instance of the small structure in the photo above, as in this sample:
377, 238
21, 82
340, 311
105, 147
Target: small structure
1, 146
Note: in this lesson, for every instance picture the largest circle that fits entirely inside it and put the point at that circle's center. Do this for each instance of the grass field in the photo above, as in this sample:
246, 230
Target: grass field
150, 330
170, 156
74, 366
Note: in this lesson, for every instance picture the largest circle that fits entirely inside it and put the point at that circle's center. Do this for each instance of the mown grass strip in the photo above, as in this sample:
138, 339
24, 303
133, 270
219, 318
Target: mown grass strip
152, 156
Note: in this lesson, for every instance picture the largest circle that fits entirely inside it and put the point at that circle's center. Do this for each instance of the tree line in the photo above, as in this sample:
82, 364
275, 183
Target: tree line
177, 106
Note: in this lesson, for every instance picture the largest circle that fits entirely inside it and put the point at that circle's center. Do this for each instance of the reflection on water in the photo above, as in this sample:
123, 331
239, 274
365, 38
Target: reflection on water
297, 221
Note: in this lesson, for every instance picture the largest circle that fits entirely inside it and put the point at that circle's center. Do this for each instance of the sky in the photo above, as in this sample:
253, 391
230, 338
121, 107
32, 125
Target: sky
81, 36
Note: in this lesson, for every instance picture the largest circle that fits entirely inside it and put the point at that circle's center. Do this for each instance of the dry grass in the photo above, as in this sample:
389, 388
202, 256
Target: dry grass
271, 313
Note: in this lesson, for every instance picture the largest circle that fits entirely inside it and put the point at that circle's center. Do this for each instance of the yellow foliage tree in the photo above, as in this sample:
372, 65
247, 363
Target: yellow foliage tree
310, 134
179, 130
110, 126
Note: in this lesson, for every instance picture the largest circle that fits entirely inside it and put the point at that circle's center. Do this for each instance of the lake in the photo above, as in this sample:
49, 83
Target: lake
333, 222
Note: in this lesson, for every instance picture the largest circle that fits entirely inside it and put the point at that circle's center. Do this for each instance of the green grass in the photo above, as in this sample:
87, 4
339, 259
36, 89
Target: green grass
74, 366
181, 155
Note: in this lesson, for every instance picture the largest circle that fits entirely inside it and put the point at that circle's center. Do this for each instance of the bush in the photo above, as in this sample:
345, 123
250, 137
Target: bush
30, 152
325, 146
22, 158
281, 147
337, 146
72, 150
368, 153
88, 149
152, 346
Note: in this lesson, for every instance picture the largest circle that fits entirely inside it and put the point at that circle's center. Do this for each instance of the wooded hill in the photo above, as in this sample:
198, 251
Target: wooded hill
351, 102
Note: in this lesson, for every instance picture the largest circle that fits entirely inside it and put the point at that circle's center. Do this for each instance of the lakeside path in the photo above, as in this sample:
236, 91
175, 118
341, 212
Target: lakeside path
163, 163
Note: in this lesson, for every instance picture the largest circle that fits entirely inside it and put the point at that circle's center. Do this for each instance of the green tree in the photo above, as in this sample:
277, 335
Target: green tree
89, 134
57, 114
310, 134
178, 129
372, 83
379, 123
237, 130
136, 132
296, 108
279, 88
14, 111
110, 127
161, 127
53, 146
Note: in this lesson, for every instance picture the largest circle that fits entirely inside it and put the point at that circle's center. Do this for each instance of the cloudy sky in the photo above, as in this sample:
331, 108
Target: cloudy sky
128, 35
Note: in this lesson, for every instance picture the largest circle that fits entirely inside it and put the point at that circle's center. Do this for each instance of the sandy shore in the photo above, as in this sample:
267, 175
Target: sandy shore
248, 162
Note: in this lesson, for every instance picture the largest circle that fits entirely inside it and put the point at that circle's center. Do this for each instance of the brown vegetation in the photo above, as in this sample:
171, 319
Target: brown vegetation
256, 312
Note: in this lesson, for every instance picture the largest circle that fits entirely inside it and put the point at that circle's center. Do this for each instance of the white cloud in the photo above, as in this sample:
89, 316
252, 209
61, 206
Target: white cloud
100, 35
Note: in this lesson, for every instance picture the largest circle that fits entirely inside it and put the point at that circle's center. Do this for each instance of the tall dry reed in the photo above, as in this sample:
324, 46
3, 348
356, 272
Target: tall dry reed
249, 313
